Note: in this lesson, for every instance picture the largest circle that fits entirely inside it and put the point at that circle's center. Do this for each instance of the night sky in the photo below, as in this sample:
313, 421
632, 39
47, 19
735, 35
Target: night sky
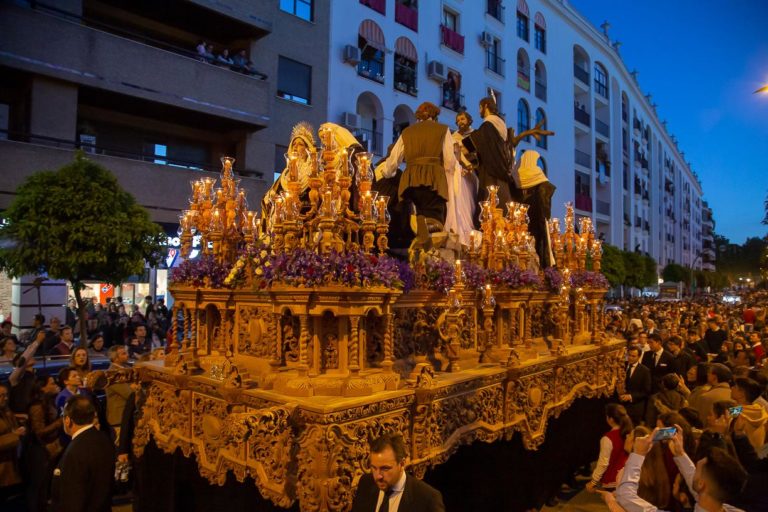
702, 60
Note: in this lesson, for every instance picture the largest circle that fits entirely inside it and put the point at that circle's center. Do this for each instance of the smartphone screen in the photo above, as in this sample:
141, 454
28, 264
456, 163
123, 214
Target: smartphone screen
735, 411
664, 433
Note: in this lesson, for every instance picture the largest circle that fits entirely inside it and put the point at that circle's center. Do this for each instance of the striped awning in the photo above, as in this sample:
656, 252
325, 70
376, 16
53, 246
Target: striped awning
404, 47
539, 21
522, 7
372, 34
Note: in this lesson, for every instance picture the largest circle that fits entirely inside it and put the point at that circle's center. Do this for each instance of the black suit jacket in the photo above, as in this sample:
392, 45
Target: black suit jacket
82, 481
639, 386
666, 365
417, 496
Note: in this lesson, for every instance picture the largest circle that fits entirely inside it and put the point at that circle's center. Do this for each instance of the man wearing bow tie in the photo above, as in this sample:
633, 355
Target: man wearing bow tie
637, 386
658, 360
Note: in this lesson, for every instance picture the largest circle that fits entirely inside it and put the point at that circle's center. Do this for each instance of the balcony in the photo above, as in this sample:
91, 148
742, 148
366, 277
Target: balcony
104, 61
379, 6
603, 207
407, 16
583, 203
453, 102
581, 116
581, 74
602, 128
451, 39
496, 9
523, 81
583, 159
494, 63
164, 199
601, 89
541, 91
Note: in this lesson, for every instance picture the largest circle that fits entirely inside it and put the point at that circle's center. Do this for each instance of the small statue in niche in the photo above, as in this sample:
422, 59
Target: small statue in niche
290, 344
331, 352
375, 347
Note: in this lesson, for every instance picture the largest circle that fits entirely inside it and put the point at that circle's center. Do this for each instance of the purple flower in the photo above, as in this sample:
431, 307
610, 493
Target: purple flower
513, 277
553, 279
193, 272
589, 279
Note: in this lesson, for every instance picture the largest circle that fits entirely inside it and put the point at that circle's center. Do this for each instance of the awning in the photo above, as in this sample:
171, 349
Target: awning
372, 34
522, 7
404, 47
539, 21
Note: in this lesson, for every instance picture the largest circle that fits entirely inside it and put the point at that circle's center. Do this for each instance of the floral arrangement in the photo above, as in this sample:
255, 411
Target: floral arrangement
258, 257
202, 271
589, 279
306, 268
553, 279
514, 277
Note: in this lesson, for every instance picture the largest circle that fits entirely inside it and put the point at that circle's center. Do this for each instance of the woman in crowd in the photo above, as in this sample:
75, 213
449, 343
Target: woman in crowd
96, 346
7, 349
80, 361
608, 496
612, 455
695, 384
44, 446
669, 399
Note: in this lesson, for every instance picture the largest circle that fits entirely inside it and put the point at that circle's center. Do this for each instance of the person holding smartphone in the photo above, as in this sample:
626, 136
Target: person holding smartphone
715, 480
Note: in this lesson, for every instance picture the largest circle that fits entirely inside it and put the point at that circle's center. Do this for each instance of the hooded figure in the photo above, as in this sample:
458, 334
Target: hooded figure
536, 191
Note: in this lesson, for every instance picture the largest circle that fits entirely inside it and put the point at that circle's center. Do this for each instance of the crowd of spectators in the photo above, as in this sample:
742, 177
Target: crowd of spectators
237, 61
700, 369
34, 433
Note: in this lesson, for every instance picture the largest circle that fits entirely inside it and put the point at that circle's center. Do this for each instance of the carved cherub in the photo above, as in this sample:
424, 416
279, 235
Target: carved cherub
331, 351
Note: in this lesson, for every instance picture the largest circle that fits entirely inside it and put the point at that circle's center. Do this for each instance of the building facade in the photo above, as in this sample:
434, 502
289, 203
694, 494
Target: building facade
123, 80
612, 156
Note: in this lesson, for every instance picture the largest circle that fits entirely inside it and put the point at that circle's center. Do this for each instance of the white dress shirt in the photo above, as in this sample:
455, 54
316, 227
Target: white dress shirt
395, 497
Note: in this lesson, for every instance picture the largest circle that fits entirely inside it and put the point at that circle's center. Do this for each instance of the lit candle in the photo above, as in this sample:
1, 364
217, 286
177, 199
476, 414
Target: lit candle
457, 271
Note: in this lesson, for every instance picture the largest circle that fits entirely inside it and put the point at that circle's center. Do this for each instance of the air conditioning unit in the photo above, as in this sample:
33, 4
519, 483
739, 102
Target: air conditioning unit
436, 71
351, 54
486, 39
350, 120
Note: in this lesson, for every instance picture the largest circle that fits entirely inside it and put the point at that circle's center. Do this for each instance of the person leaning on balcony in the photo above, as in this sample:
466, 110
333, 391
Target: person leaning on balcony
427, 148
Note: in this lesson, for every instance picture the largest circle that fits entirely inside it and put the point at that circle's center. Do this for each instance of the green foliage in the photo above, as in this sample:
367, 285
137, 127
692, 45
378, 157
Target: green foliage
635, 269
675, 273
649, 276
739, 260
77, 224
612, 265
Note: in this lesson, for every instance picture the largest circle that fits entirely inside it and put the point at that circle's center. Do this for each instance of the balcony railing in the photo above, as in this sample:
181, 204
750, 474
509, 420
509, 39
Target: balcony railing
583, 159
454, 102
451, 39
494, 63
581, 74
379, 6
581, 116
583, 202
407, 16
541, 91
523, 81
602, 128
603, 207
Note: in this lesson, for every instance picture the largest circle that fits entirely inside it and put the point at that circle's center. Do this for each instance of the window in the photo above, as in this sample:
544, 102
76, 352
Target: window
522, 26
450, 20
452, 97
379, 6
601, 81
495, 9
540, 75
161, 150
407, 14
541, 116
493, 60
294, 80
299, 8
371, 63
523, 118
582, 184
495, 93
405, 75
523, 70
540, 39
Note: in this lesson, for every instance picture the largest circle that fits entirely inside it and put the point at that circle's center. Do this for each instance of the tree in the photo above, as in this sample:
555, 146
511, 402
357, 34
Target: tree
650, 276
78, 224
612, 265
675, 273
635, 269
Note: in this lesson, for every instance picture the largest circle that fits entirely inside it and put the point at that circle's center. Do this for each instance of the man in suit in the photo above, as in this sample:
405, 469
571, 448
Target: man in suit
658, 360
82, 481
387, 488
637, 386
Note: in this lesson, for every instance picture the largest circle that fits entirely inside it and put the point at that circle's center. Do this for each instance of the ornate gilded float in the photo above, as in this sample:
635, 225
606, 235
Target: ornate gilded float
296, 339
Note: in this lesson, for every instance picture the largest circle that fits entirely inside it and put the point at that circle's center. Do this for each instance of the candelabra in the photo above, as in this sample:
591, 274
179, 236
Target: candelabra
572, 249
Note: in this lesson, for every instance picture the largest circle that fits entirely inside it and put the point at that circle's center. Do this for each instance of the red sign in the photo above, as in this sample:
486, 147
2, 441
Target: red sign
106, 292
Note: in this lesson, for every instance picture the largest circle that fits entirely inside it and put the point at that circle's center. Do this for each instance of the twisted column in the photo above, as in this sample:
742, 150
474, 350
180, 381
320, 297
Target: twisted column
354, 344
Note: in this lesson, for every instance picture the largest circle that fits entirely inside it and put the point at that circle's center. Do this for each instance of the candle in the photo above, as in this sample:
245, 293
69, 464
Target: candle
457, 271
